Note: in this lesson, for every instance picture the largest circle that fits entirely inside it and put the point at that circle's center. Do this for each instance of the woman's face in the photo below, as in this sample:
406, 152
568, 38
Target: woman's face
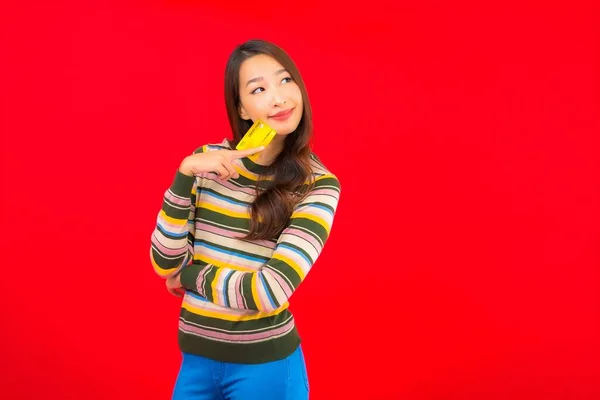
268, 93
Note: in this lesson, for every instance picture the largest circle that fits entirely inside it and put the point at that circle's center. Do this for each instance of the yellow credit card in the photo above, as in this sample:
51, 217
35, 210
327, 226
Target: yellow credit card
259, 134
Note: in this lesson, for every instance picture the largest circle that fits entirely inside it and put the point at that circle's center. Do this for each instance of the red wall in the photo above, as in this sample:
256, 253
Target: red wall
463, 262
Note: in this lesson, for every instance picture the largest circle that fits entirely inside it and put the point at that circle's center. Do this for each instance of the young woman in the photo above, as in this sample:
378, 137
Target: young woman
237, 236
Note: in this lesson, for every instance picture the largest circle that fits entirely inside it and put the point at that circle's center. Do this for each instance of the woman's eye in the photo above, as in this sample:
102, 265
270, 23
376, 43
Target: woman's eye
260, 89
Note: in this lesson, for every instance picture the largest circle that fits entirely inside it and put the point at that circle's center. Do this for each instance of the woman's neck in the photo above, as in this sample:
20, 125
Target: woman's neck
270, 153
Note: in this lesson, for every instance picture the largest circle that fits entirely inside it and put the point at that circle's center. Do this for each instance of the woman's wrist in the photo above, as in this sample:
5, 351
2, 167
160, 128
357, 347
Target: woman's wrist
184, 169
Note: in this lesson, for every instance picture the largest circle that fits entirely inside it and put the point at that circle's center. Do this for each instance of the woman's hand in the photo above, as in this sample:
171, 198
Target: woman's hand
218, 161
174, 285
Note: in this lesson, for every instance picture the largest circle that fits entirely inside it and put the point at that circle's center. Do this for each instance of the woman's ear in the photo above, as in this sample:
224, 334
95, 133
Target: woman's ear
243, 113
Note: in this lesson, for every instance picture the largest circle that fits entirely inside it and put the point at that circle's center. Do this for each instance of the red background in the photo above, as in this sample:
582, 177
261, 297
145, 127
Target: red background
463, 262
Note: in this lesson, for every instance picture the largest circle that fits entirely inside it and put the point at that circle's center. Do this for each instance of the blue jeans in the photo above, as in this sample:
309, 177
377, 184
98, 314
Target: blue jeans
201, 378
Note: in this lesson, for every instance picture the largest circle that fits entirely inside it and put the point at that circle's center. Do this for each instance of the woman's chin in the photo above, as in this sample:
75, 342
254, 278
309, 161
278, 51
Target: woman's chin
283, 132
285, 129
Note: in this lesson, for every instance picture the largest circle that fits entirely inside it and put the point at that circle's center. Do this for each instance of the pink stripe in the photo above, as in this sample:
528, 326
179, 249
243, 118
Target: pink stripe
200, 279
238, 294
200, 226
327, 192
309, 238
244, 337
167, 251
310, 209
173, 199
284, 285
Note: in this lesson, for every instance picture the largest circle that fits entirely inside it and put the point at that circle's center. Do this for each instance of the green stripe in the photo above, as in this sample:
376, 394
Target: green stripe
247, 291
315, 228
176, 212
285, 269
329, 181
182, 184
209, 277
239, 223
165, 263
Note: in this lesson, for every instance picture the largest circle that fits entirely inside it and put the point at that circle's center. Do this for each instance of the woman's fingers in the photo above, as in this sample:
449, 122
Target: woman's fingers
222, 172
175, 292
231, 170
247, 152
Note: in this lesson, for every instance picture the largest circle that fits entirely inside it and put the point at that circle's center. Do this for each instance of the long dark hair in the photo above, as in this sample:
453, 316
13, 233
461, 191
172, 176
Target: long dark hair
276, 198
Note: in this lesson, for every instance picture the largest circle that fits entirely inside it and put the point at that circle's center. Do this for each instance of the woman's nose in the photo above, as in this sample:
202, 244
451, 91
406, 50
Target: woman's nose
278, 99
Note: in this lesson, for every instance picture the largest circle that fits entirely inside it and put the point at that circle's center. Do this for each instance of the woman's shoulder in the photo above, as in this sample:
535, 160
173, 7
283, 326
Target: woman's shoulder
318, 166
321, 171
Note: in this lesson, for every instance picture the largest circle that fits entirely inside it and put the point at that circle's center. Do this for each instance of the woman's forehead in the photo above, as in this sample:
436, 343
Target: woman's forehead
259, 65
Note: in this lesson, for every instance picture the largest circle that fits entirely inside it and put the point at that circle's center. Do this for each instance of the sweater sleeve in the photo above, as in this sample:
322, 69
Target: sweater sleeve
298, 248
172, 241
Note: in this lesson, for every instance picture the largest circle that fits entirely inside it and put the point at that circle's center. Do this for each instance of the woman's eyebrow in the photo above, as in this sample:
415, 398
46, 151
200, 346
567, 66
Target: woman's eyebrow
260, 78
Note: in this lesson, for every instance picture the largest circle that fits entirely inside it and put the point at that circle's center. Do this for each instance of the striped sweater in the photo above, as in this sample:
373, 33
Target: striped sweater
235, 307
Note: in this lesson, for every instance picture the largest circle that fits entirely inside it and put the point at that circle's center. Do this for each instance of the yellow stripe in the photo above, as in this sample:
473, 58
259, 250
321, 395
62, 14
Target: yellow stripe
230, 317
245, 173
314, 218
249, 174
255, 295
221, 210
161, 272
291, 263
213, 286
171, 220
221, 264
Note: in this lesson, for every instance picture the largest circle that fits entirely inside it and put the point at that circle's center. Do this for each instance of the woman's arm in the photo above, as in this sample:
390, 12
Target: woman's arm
298, 248
172, 243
